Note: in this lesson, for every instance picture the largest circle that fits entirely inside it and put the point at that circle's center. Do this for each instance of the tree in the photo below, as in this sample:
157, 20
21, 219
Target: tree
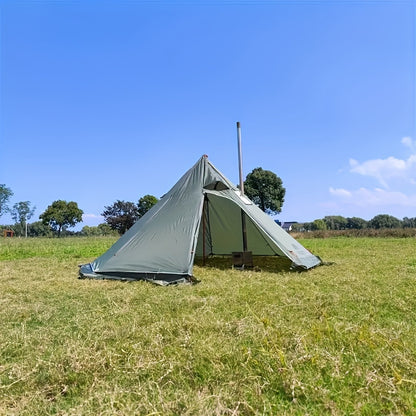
121, 215
265, 189
409, 222
5, 194
384, 221
356, 223
335, 222
298, 227
145, 203
61, 214
307, 226
99, 230
318, 225
39, 229
22, 213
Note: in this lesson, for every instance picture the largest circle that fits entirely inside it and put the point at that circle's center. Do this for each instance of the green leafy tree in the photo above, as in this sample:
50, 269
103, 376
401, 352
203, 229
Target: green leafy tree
105, 229
89, 231
409, 222
145, 203
307, 226
265, 189
356, 223
99, 230
298, 227
39, 229
335, 222
318, 225
61, 214
5, 194
21, 213
384, 221
121, 215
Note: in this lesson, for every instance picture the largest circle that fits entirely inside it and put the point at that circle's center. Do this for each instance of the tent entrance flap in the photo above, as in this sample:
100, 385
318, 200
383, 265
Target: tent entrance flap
229, 229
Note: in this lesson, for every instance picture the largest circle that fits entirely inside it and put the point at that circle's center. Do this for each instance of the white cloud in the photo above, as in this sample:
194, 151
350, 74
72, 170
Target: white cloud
343, 193
92, 219
382, 198
383, 169
386, 169
408, 142
393, 196
91, 216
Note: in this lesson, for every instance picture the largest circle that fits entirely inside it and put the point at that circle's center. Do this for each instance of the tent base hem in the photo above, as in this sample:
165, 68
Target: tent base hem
161, 279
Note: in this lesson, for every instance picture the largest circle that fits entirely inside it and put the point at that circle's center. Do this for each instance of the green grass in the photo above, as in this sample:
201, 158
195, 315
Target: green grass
337, 340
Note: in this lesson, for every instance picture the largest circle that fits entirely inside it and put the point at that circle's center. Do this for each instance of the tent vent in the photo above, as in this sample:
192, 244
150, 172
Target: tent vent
216, 186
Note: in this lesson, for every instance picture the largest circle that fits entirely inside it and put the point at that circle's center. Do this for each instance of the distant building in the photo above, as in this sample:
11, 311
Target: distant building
288, 225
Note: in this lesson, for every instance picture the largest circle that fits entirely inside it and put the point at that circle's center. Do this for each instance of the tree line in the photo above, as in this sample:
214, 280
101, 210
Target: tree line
338, 222
62, 215
263, 187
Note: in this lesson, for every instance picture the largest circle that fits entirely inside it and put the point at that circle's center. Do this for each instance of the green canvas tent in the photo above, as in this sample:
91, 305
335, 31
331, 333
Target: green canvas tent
200, 216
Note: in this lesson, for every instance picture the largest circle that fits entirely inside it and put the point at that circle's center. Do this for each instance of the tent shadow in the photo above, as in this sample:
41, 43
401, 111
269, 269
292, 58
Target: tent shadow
272, 264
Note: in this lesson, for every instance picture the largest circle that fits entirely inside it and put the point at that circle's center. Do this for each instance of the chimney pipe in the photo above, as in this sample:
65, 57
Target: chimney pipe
240, 158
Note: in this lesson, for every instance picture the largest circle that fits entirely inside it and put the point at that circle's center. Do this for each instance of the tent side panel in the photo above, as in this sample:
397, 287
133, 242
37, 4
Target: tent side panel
162, 240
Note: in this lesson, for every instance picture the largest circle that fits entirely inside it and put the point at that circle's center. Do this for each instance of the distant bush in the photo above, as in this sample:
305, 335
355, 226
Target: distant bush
364, 232
356, 226
100, 230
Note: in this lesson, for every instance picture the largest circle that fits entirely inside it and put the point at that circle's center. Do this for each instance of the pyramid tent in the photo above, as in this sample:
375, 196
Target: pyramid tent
200, 216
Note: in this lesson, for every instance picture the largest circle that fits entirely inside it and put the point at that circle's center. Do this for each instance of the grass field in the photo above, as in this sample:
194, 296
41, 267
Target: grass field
337, 340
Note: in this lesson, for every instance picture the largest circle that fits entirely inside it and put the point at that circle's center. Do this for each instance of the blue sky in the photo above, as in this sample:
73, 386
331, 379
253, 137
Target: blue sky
107, 100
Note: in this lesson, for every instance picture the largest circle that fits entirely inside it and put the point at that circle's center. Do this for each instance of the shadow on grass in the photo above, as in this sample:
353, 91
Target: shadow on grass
272, 264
